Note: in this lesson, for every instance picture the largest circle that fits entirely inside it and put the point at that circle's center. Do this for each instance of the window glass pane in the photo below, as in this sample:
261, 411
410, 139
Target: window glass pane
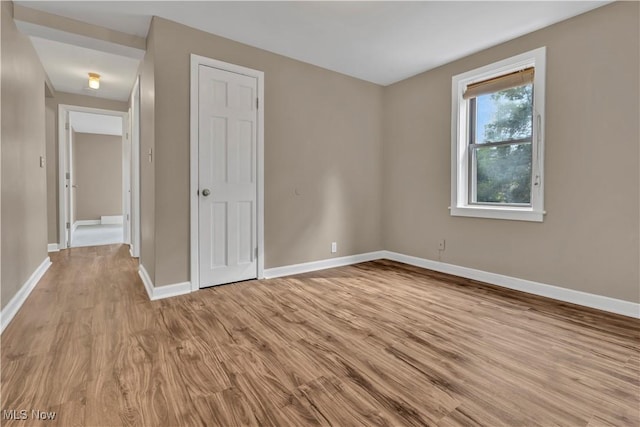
503, 174
505, 115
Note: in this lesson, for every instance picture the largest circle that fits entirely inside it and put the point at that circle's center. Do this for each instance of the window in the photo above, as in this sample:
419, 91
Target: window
497, 139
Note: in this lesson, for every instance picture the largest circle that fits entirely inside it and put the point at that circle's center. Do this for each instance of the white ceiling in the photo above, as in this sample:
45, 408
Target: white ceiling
382, 42
95, 123
68, 66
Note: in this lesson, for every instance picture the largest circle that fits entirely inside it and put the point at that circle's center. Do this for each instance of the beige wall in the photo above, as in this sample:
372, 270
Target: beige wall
97, 166
323, 135
147, 170
589, 238
80, 28
51, 111
23, 183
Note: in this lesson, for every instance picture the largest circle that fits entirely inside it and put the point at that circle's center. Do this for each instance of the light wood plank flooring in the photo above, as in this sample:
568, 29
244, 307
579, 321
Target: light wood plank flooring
375, 344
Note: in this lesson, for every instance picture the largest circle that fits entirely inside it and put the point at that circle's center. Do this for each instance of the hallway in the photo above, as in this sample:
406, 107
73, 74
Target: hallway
74, 320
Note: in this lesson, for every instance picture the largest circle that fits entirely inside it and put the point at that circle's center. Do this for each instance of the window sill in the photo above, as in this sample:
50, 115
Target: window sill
493, 212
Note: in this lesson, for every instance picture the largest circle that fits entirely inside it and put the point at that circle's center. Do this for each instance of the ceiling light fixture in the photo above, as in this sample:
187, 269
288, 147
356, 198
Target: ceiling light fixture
94, 81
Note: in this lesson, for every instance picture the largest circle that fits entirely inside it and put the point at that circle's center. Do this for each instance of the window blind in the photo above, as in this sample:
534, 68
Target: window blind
496, 84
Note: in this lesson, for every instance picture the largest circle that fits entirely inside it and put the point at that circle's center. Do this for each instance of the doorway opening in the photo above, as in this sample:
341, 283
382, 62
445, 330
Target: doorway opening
95, 171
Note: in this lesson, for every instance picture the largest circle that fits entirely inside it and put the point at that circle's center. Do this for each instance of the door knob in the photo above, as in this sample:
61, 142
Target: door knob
206, 192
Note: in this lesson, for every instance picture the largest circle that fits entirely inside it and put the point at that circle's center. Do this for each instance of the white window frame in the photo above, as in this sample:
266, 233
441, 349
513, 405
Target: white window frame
460, 165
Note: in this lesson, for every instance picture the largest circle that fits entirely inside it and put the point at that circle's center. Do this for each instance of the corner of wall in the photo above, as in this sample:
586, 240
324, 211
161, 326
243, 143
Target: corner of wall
577, 248
147, 151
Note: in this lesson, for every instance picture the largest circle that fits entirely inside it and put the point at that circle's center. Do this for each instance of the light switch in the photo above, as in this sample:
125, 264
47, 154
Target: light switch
42, 161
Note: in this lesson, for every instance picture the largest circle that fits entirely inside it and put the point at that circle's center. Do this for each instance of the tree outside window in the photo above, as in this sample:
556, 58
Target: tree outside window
503, 151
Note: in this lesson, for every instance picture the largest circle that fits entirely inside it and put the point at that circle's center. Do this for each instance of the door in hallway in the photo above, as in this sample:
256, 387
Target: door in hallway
227, 153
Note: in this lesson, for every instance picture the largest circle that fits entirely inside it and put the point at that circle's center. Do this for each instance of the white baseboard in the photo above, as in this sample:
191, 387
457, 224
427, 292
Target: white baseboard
84, 222
161, 292
111, 219
146, 280
173, 290
306, 267
52, 247
9, 311
612, 305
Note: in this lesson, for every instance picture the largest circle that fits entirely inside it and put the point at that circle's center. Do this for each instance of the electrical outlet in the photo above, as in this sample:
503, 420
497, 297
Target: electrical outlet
441, 245
334, 247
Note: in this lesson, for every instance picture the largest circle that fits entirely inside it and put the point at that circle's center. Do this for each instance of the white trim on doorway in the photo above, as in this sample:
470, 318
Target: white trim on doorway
135, 170
126, 180
63, 114
196, 61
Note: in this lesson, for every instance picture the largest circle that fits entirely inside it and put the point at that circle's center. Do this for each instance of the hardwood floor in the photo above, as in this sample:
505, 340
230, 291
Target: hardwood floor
379, 343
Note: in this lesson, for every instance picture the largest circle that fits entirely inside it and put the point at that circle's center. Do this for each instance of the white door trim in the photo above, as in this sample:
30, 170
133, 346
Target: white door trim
126, 183
135, 170
196, 61
63, 148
